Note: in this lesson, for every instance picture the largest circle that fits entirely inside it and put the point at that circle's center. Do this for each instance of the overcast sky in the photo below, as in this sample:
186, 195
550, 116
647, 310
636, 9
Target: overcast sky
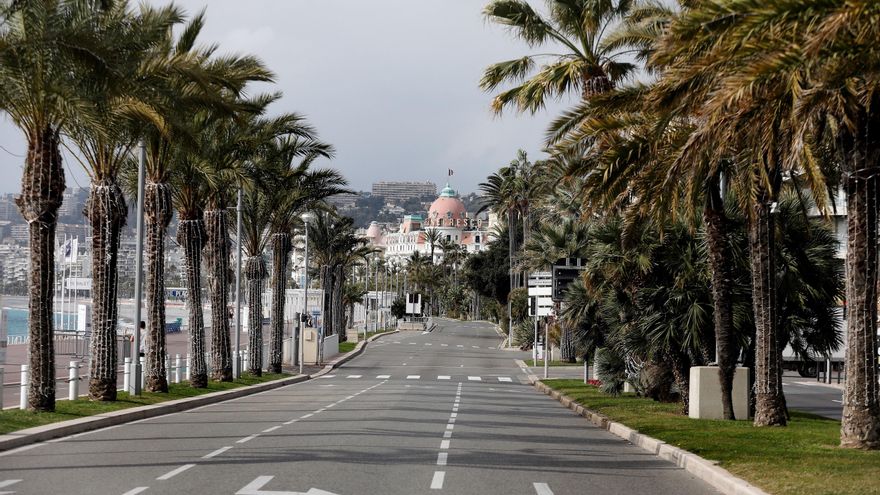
391, 83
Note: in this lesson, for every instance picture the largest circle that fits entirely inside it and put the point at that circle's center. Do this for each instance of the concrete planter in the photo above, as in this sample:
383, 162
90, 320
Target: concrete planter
705, 393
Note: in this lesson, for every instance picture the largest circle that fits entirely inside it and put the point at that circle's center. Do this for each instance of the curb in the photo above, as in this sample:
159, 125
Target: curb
706, 470
43, 433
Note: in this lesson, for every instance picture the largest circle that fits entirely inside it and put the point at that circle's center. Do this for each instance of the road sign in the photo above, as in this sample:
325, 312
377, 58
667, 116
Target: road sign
565, 271
540, 288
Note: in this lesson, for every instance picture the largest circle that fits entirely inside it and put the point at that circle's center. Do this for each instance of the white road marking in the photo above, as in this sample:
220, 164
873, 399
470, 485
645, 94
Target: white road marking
412, 343
838, 401
135, 491
542, 489
353, 376
175, 472
441, 458
453, 415
504, 379
328, 385
396, 342
247, 439
475, 379
427, 343
328, 376
437, 482
413, 377
475, 347
450, 426
255, 488
216, 452
350, 397
383, 377
309, 415
459, 345
444, 345
321, 410
292, 421
447, 434
451, 420
270, 430
444, 444
5, 483
443, 377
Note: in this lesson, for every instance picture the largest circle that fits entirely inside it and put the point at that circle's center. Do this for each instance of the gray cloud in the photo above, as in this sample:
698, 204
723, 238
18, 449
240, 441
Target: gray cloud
391, 83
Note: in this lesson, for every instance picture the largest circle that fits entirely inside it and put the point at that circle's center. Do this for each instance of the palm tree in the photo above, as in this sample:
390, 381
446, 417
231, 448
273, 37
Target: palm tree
256, 207
589, 62
105, 142
299, 189
49, 58
432, 239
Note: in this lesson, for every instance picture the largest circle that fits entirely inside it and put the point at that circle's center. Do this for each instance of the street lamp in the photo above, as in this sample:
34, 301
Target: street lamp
306, 217
236, 362
135, 381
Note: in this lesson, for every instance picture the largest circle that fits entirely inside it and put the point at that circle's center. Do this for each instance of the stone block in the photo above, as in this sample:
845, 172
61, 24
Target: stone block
705, 393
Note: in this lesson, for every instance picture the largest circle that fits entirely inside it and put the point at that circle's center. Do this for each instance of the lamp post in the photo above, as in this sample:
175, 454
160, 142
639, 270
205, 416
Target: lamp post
236, 363
306, 218
139, 268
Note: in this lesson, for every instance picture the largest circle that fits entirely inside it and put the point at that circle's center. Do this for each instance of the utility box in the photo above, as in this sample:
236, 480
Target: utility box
705, 393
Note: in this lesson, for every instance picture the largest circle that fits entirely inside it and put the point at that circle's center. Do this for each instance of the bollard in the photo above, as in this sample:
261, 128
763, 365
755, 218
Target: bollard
126, 375
24, 386
143, 363
244, 360
188, 366
1, 389
167, 369
73, 381
177, 364
586, 378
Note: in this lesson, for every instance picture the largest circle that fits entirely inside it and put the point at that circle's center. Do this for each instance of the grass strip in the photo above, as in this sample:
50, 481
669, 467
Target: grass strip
540, 364
803, 457
16, 419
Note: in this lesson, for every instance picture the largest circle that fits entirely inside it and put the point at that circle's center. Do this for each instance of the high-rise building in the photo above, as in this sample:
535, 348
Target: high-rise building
398, 192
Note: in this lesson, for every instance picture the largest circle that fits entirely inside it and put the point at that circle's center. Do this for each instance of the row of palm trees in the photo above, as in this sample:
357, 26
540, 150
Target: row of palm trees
99, 77
695, 110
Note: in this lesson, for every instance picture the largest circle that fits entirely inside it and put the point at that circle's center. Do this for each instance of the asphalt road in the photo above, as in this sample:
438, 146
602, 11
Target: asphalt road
442, 412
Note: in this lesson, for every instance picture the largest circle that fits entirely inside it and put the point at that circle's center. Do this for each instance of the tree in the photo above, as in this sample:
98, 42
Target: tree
105, 141
590, 62
50, 54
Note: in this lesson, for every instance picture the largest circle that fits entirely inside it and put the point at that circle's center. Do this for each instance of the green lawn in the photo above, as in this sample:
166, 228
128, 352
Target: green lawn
345, 347
531, 363
16, 419
801, 458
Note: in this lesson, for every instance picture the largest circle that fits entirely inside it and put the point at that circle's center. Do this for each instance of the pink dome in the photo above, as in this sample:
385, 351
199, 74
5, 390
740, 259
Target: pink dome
447, 210
374, 232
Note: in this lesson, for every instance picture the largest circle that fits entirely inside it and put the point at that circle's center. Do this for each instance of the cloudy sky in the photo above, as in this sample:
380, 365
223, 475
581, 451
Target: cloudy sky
391, 83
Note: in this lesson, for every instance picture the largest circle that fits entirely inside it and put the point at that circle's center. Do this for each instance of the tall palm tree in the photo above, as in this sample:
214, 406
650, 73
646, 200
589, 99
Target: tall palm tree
588, 60
50, 53
105, 143
300, 188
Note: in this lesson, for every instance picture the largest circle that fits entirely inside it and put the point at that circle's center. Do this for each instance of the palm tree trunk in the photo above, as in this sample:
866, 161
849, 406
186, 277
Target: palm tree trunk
566, 347
191, 235
106, 211
770, 402
42, 191
718, 247
338, 307
157, 214
255, 275
680, 365
217, 258
281, 247
860, 425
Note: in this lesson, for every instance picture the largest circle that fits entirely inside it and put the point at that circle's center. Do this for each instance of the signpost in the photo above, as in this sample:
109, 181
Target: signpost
540, 304
565, 271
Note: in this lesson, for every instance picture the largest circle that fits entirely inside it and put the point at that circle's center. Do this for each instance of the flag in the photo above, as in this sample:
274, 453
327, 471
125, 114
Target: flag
450, 172
70, 248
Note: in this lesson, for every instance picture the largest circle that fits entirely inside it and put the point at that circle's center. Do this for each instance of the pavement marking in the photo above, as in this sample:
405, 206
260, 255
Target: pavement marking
444, 345
412, 343
216, 452
248, 438
426, 343
350, 397
328, 385
413, 377
396, 342
22, 449
383, 377
450, 426
134, 491
441, 458
292, 421
175, 472
353, 376
838, 401
504, 379
444, 444
305, 416
447, 434
542, 489
475, 347
475, 379
459, 345
451, 421
327, 376
443, 377
5, 483
437, 481
404, 364
270, 430
453, 415
321, 410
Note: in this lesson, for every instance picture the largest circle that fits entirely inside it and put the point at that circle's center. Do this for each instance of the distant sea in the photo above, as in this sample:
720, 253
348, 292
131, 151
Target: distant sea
17, 324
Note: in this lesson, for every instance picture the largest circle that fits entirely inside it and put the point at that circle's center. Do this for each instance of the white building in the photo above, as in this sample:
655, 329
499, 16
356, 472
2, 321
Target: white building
447, 215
